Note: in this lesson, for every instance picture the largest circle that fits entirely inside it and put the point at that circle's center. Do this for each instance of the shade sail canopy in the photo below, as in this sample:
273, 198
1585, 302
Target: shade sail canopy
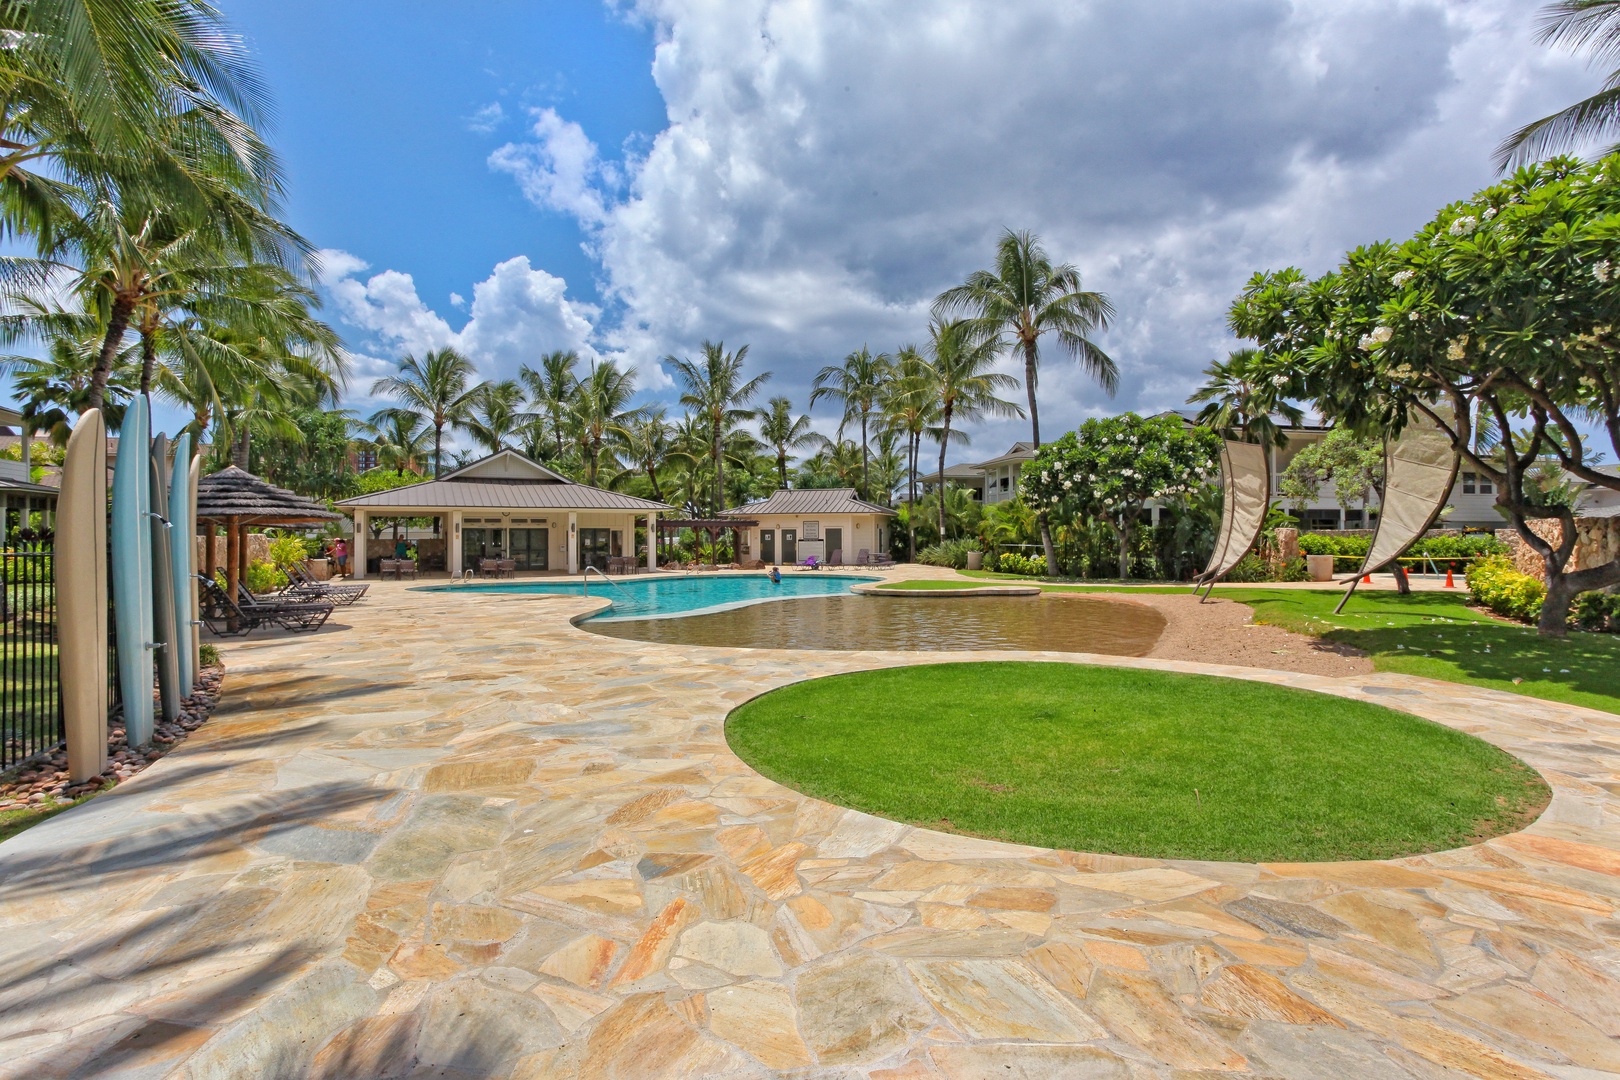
237, 493
1245, 497
1419, 469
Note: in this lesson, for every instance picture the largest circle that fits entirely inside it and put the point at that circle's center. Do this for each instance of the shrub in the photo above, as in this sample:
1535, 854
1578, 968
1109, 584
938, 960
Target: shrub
1598, 611
287, 551
1028, 565
1459, 547
1340, 547
208, 653
1496, 585
263, 577
1249, 569
952, 553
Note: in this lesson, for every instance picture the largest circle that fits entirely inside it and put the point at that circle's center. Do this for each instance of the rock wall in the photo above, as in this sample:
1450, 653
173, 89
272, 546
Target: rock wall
258, 550
1597, 541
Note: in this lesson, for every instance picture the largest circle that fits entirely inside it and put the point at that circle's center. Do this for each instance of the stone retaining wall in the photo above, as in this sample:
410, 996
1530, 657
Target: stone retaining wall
1597, 541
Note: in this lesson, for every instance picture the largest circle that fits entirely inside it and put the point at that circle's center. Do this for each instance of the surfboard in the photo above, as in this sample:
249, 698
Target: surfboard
163, 615
182, 545
192, 591
131, 548
80, 566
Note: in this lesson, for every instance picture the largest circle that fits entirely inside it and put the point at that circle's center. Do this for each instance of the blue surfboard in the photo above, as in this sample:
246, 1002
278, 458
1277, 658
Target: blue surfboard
182, 545
130, 539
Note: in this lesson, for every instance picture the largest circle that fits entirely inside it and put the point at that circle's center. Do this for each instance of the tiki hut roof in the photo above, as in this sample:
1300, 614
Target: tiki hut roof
235, 493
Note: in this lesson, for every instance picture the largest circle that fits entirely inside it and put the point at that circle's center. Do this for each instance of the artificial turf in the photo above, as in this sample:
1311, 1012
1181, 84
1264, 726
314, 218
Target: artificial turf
1434, 634
1135, 762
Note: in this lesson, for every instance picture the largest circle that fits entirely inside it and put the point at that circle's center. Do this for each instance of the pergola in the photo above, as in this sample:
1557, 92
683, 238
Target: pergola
713, 526
237, 499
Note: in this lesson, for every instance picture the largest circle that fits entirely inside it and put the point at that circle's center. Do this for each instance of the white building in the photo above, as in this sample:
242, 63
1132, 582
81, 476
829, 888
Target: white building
831, 524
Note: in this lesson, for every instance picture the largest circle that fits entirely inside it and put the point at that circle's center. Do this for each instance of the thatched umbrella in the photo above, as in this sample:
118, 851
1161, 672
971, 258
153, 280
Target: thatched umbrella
236, 498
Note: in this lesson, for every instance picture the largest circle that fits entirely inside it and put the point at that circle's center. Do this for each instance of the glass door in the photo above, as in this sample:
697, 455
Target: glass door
529, 548
767, 546
593, 548
481, 544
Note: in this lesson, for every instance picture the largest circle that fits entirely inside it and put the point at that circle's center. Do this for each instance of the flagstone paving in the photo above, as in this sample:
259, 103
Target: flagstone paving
462, 837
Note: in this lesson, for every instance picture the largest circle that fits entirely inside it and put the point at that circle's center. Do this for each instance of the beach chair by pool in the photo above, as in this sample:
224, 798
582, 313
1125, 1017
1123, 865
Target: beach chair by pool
301, 582
222, 615
835, 557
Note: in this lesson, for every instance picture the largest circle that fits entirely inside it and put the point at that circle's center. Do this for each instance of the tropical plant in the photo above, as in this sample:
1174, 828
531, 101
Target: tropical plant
718, 393
551, 389
783, 432
1593, 27
965, 381
857, 385
496, 416
911, 407
400, 442
1112, 467
1354, 465
435, 390
645, 443
1023, 299
1243, 397
1503, 307
599, 412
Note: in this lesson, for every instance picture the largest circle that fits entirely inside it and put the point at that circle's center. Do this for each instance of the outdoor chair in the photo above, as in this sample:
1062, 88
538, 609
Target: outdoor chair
386, 567
403, 567
504, 567
835, 557
301, 581
489, 567
223, 616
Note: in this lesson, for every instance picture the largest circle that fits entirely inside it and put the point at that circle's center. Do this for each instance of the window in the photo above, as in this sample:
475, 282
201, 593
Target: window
1468, 483
1484, 484
365, 460
1006, 483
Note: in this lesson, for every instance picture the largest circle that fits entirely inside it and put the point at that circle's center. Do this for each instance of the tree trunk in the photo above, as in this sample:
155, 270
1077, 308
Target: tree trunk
244, 443
913, 448
1035, 437
781, 468
438, 449
117, 323
866, 469
939, 492
1562, 589
1124, 550
719, 473
148, 359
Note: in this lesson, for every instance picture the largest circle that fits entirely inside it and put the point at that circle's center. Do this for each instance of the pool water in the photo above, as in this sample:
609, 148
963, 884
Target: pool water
1051, 622
665, 595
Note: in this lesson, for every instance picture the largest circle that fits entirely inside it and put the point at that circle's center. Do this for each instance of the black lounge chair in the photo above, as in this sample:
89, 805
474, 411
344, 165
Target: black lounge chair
301, 583
225, 616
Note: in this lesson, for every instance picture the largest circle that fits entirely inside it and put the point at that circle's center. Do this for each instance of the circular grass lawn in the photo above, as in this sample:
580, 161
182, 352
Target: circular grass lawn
1135, 762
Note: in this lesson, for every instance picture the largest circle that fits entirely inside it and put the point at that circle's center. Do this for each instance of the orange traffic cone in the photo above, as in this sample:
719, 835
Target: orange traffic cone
1366, 579
1449, 583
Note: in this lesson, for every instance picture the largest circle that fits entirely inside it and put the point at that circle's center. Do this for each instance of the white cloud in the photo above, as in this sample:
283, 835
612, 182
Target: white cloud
517, 314
486, 119
827, 169
458, 301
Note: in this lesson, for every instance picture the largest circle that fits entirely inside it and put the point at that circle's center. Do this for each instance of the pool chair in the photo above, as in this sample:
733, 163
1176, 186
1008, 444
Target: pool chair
835, 557
864, 557
223, 616
302, 583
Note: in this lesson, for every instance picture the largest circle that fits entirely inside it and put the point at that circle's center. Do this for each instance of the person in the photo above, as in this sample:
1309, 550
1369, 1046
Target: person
400, 548
776, 576
340, 554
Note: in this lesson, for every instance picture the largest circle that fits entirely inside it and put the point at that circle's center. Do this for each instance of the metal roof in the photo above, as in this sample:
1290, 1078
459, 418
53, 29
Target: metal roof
809, 501
474, 494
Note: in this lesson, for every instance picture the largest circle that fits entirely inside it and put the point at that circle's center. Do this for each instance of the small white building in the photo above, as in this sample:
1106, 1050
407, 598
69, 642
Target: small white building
831, 524
511, 507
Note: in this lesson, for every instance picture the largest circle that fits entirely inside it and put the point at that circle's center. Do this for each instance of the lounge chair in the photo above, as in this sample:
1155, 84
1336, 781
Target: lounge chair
864, 557
835, 557
301, 582
225, 616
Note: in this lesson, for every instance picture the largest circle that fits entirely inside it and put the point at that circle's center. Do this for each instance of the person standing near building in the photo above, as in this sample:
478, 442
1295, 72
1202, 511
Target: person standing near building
340, 555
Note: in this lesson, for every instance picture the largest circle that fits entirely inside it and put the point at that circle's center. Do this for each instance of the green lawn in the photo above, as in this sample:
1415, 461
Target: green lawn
13, 822
1135, 762
1436, 635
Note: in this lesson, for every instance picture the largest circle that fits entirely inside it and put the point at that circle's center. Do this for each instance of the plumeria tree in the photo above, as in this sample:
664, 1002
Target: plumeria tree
1111, 468
1499, 321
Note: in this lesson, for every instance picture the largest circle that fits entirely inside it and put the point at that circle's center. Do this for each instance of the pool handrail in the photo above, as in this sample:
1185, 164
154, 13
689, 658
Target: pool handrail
585, 580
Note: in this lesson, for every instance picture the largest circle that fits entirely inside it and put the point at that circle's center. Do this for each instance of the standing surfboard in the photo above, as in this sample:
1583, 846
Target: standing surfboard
182, 544
132, 571
163, 614
195, 607
80, 565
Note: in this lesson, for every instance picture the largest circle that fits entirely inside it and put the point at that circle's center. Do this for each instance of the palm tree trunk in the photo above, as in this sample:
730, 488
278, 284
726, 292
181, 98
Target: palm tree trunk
719, 473
913, 452
939, 492
244, 443
781, 467
148, 359
1035, 437
438, 448
117, 322
866, 473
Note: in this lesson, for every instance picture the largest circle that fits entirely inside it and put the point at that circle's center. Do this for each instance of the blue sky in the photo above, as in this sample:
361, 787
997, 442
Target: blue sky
632, 178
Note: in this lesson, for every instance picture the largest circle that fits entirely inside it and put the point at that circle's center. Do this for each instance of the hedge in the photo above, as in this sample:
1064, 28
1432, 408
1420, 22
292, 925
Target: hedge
1495, 584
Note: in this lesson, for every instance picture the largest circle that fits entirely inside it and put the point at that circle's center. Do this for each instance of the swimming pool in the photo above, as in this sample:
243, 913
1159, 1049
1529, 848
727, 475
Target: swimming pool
665, 596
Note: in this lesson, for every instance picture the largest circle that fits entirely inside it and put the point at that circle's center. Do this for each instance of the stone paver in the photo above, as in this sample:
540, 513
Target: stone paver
466, 838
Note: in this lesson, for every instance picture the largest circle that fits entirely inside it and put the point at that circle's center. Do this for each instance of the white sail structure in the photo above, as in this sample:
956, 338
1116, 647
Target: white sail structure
1245, 498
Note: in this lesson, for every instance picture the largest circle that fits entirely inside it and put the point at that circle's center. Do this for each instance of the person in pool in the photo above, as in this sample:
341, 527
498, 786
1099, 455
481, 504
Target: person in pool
776, 576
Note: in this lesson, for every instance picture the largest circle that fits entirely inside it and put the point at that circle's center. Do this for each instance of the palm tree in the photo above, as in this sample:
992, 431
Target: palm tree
783, 432
433, 389
1023, 299
551, 389
857, 385
645, 442
965, 382
497, 415
1591, 26
400, 441
911, 407
600, 410
1242, 399
716, 389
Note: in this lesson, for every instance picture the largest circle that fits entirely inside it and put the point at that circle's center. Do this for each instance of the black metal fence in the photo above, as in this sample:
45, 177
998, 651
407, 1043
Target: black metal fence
30, 677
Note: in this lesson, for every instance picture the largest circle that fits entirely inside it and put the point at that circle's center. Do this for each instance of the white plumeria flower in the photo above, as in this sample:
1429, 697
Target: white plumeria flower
1400, 279
1600, 270
1463, 225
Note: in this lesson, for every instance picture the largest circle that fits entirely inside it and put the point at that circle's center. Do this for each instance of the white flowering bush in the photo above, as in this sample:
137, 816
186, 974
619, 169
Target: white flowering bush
1110, 468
